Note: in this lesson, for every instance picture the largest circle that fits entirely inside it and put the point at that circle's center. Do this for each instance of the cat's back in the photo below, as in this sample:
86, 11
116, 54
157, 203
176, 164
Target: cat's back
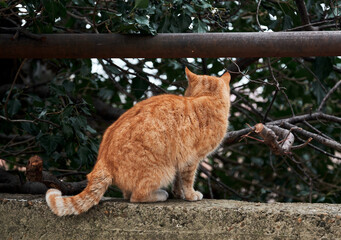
159, 108
155, 114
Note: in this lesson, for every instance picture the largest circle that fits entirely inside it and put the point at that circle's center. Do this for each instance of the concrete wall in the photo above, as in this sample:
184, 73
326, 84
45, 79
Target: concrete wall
28, 217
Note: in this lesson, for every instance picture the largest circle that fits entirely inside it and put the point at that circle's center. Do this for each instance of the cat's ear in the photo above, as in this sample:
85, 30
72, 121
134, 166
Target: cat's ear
226, 77
190, 76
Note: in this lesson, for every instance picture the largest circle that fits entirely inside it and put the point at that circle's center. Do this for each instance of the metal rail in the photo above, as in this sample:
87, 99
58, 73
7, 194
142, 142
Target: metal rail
210, 45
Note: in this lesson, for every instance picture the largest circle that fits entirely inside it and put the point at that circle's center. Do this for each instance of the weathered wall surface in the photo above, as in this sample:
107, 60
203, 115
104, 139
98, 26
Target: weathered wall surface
28, 217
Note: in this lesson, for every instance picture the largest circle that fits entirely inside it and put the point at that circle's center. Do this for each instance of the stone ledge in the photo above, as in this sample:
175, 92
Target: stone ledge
28, 217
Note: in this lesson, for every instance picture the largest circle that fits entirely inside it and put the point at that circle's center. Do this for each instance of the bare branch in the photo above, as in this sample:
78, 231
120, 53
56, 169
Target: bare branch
328, 95
234, 136
220, 183
327, 142
116, 84
302, 145
305, 16
236, 67
257, 14
276, 91
307, 117
13, 83
271, 134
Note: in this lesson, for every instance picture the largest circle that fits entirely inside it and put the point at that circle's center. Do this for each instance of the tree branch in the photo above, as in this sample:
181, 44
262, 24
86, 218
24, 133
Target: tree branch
235, 136
236, 67
304, 16
326, 142
328, 95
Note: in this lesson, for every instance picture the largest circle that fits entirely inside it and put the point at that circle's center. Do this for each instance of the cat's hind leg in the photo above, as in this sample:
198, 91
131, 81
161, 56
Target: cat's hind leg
159, 195
126, 195
148, 191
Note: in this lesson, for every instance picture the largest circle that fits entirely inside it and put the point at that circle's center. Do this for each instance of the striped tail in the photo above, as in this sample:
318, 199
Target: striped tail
98, 183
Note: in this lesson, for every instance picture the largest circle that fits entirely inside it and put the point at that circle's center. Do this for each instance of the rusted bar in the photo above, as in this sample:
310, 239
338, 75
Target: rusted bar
211, 45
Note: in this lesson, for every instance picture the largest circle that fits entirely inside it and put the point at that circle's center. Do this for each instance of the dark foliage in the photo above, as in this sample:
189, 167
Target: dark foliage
59, 109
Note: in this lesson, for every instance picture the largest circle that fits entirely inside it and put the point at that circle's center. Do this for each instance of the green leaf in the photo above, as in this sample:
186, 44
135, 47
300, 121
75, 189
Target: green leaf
68, 86
43, 113
67, 130
54, 9
317, 91
13, 107
50, 142
85, 110
165, 25
83, 153
204, 5
30, 128
188, 8
142, 20
138, 87
200, 26
78, 123
185, 22
57, 90
141, 3
105, 93
67, 112
90, 129
287, 22
3, 3
257, 161
56, 156
70, 149
322, 67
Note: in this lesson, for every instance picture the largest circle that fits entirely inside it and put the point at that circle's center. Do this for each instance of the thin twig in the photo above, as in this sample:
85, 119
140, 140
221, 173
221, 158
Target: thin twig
324, 100
255, 111
45, 121
312, 73
276, 91
116, 84
302, 145
316, 130
203, 169
320, 150
16, 120
327, 142
13, 83
303, 13
137, 70
257, 14
234, 136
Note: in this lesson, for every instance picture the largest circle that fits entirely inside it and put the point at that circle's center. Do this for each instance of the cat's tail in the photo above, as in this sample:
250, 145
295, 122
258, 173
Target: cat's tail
98, 182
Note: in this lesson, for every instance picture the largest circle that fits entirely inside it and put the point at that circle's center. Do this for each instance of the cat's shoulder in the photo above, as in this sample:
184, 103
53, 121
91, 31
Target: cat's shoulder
163, 98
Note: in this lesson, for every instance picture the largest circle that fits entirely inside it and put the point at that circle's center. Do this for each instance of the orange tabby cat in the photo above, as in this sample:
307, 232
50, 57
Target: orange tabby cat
159, 141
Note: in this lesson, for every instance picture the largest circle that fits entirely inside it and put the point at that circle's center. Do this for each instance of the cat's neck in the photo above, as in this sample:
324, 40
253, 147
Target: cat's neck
219, 95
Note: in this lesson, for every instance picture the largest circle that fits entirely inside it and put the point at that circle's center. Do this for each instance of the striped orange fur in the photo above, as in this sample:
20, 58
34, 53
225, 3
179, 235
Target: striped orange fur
157, 142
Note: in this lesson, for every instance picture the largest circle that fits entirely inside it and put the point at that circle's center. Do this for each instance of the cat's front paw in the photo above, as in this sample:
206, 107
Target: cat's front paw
194, 196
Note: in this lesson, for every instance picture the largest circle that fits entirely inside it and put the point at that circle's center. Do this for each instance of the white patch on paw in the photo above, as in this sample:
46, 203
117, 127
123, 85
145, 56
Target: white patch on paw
198, 195
195, 196
162, 195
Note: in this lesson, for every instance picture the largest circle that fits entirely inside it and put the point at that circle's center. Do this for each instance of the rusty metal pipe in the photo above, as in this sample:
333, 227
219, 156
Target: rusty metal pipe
210, 45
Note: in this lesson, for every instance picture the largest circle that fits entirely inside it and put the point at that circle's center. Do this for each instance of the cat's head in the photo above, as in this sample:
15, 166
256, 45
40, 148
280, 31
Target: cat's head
201, 85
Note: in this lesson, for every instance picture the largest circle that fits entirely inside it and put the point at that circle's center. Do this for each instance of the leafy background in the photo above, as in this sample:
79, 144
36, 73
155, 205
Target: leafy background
59, 108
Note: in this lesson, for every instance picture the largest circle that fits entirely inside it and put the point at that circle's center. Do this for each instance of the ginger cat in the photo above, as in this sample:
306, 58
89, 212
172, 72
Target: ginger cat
157, 142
